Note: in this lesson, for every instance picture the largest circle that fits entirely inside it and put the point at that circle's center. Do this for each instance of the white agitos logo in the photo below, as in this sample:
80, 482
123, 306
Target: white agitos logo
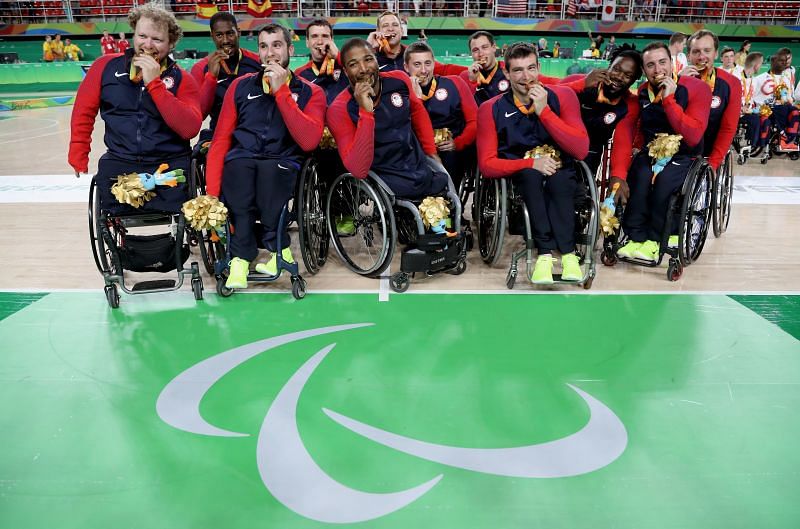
292, 476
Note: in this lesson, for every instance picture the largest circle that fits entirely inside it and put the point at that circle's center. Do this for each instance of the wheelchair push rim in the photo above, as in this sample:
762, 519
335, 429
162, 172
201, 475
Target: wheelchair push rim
491, 208
311, 218
723, 195
696, 213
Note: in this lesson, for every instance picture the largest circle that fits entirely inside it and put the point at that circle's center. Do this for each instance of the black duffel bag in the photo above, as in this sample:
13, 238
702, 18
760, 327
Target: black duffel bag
151, 253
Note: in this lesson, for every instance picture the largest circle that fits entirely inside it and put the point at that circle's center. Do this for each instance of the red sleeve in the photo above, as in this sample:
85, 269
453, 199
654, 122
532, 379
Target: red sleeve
222, 140
624, 135
470, 110
207, 84
420, 120
730, 120
576, 82
304, 125
567, 129
84, 112
692, 122
440, 68
355, 142
489, 164
181, 112
472, 86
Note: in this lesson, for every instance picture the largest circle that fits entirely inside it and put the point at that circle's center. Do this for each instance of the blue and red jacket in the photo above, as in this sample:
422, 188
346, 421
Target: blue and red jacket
723, 120
498, 83
502, 153
212, 89
392, 140
332, 84
676, 114
143, 123
280, 126
389, 64
451, 105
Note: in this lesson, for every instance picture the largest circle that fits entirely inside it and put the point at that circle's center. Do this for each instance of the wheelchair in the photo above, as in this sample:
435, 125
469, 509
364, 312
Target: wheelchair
722, 195
380, 220
690, 209
117, 251
500, 209
206, 240
776, 146
741, 145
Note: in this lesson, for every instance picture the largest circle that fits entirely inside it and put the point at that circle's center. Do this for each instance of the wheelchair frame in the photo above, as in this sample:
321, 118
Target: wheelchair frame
500, 207
688, 211
106, 233
722, 195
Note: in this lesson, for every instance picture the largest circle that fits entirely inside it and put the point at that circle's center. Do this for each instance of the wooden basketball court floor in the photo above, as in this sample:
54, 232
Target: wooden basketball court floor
638, 403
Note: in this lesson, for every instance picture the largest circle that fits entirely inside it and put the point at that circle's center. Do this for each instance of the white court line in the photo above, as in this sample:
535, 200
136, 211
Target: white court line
383, 291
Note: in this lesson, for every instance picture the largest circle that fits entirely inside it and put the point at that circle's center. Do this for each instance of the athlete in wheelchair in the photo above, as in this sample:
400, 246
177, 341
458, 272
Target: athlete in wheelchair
537, 138
149, 106
669, 193
385, 140
747, 141
269, 121
774, 95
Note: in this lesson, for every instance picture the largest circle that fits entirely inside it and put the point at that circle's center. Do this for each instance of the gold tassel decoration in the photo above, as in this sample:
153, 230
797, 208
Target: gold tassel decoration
765, 111
327, 141
433, 210
544, 150
661, 149
129, 189
442, 135
205, 212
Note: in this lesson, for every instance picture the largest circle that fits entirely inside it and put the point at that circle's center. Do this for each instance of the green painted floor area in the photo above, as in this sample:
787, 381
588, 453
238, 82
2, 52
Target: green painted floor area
707, 391
11, 302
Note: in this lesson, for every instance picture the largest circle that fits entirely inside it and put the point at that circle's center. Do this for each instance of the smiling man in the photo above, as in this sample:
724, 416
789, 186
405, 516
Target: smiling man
216, 72
726, 95
666, 105
323, 69
531, 115
268, 122
380, 124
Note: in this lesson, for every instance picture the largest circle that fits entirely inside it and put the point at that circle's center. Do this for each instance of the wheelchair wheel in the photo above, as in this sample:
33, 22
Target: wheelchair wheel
104, 236
365, 244
399, 282
312, 228
222, 290
587, 215
298, 288
695, 214
112, 296
491, 206
723, 193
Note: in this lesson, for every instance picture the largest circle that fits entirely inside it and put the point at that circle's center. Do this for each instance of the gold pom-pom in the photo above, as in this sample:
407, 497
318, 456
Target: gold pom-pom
130, 190
441, 135
205, 212
608, 222
433, 209
765, 111
664, 145
327, 141
544, 150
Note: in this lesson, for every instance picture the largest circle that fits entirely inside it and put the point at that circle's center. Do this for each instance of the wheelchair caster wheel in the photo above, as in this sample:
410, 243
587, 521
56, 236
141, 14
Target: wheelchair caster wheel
460, 268
222, 290
794, 156
470, 239
399, 282
741, 159
511, 279
589, 280
197, 289
112, 296
608, 257
675, 270
764, 160
298, 288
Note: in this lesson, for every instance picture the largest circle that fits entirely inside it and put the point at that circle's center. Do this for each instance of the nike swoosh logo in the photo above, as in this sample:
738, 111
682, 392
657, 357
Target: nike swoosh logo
646, 105
249, 96
509, 115
675, 163
117, 74
221, 80
382, 67
282, 167
587, 108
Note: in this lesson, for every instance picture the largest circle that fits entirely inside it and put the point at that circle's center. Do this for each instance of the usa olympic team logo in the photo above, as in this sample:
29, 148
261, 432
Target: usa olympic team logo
716, 102
502, 85
440, 94
336, 74
397, 100
169, 82
609, 118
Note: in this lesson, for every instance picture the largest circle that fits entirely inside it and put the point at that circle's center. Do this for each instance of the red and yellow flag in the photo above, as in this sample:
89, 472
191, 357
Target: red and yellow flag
259, 8
205, 9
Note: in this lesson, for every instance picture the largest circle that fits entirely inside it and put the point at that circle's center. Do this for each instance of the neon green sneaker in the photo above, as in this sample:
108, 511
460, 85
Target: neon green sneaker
570, 268
237, 274
345, 226
629, 249
647, 251
543, 270
673, 241
270, 268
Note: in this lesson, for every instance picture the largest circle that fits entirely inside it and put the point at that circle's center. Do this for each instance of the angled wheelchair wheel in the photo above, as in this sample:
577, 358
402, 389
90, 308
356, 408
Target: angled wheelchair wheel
491, 208
312, 227
587, 214
361, 224
723, 194
695, 215
103, 235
